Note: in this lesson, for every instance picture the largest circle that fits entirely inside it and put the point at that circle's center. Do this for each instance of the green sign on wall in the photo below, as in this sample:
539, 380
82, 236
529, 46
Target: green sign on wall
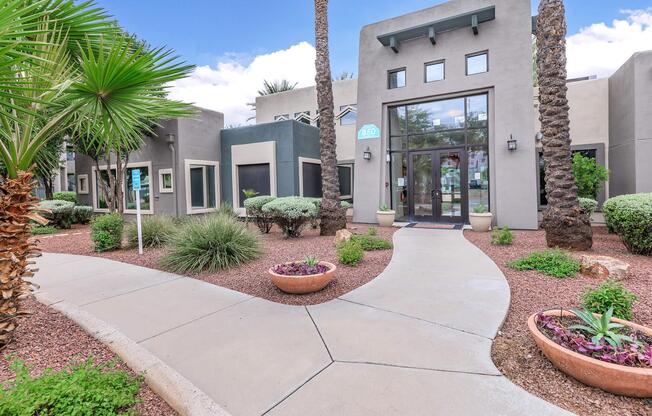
369, 131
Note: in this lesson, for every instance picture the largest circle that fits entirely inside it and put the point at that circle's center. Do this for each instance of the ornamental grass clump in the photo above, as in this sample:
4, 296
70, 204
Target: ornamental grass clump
291, 213
630, 216
156, 231
106, 231
59, 213
554, 262
254, 208
610, 295
210, 244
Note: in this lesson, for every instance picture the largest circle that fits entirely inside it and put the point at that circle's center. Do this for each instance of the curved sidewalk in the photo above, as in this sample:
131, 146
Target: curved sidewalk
414, 341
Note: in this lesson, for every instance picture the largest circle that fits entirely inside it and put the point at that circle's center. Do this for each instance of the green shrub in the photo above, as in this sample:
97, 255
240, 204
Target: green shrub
346, 204
156, 231
43, 230
609, 294
79, 389
59, 213
211, 243
589, 176
372, 230
82, 214
106, 231
371, 242
350, 253
291, 213
588, 205
65, 196
480, 209
254, 208
553, 262
630, 216
502, 236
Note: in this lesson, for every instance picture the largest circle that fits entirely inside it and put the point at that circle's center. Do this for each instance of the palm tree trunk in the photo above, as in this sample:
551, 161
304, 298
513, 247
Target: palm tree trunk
565, 224
333, 217
17, 208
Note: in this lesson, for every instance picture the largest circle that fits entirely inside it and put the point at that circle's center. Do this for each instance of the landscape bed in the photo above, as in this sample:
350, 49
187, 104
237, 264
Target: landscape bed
516, 354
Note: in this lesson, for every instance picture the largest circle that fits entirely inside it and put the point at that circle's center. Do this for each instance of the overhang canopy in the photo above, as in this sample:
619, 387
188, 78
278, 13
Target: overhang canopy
470, 19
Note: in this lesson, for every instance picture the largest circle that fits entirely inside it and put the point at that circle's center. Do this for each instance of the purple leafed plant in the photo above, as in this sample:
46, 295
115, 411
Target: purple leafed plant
299, 269
637, 353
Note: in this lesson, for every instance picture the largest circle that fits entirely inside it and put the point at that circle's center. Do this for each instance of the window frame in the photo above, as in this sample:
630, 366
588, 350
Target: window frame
346, 110
202, 163
161, 184
425, 70
94, 184
347, 166
472, 55
81, 190
395, 71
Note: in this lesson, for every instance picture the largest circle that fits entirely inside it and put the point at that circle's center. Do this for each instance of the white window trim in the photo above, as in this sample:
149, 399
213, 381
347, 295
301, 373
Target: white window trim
204, 163
80, 189
252, 154
303, 160
162, 189
147, 164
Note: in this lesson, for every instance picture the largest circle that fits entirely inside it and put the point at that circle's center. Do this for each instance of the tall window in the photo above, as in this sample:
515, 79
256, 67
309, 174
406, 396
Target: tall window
477, 63
396, 78
130, 195
255, 178
202, 187
71, 182
311, 179
100, 202
345, 175
434, 71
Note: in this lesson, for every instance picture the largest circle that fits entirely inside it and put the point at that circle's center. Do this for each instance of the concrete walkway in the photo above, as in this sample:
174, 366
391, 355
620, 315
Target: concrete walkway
414, 341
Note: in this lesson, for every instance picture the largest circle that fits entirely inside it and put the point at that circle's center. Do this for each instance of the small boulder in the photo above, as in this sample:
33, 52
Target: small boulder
342, 235
604, 267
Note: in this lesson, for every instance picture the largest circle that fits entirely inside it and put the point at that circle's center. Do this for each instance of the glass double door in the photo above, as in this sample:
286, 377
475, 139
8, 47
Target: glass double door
437, 191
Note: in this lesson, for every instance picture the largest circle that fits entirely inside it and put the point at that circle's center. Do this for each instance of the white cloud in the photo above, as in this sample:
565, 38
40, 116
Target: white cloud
600, 49
230, 85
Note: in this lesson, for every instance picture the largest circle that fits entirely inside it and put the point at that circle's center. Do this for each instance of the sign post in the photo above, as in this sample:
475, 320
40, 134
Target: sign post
135, 184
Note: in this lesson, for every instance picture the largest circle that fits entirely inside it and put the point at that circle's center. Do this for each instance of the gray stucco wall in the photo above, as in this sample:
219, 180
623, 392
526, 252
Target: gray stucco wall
513, 195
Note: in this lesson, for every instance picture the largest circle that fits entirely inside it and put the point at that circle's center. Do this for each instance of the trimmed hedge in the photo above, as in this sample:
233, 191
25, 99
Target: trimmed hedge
254, 207
59, 212
82, 214
630, 216
65, 196
588, 205
291, 213
106, 231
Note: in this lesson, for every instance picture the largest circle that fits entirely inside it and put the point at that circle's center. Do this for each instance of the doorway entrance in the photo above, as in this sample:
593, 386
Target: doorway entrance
437, 191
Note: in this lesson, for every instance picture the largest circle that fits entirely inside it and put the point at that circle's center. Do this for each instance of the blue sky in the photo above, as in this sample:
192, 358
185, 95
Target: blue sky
236, 45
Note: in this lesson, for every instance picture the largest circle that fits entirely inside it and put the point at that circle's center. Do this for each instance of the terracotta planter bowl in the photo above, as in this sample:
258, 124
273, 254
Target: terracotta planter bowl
614, 378
299, 285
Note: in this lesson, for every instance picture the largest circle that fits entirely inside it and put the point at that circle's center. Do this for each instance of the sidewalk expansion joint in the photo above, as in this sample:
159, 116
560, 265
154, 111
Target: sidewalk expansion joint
133, 291
320, 335
409, 367
418, 319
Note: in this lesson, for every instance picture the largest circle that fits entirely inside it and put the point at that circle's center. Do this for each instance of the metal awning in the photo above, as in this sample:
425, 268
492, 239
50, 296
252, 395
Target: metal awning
471, 19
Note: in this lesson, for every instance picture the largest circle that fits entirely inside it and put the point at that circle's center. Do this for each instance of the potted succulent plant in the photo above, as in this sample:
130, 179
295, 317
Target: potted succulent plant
385, 216
480, 219
604, 352
299, 277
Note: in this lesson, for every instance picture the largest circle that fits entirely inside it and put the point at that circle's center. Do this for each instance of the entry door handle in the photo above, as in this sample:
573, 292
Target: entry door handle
435, 193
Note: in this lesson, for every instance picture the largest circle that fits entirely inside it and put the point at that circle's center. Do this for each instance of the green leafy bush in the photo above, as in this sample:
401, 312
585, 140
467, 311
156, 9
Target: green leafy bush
480, 209
59, 213
610, 294
502, 236
106, 231
350, 253
589, 176
291, 213
372, 230
552, 262
82, 214
371, 242
588, 205
630, 216
83, 389
65, 196
211, 243
43, 230
254, 207
156, 231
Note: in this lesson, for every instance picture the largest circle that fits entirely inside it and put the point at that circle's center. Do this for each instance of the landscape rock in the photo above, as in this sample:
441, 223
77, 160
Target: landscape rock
604, 267
342, 235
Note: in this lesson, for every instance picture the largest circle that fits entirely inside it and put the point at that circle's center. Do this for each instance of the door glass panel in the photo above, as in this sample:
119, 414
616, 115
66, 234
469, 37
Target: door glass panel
450, 165
478, 177
400, 185
422, 184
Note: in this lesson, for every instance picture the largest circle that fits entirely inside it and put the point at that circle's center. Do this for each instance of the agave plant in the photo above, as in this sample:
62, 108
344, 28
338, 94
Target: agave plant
311, 261
601, 327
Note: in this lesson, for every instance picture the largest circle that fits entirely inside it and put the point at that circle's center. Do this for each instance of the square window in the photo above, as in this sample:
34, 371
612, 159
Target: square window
351, 115
82, 184
165, 181
477, 63
435, 71
396, 78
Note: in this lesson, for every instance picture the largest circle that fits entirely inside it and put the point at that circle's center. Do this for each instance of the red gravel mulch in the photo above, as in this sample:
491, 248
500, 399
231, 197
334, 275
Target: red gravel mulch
48, 339
516, 354
251, 277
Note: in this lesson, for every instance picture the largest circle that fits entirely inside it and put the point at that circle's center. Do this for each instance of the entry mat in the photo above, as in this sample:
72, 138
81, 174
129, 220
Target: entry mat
434, 226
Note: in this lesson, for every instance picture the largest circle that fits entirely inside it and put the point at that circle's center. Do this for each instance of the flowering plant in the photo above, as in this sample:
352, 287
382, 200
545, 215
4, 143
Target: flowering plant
302, 268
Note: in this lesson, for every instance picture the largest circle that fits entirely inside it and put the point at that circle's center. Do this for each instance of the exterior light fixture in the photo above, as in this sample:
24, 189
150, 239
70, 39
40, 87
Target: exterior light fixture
511, 143
170, 138
538, 137
366, 155
388, 156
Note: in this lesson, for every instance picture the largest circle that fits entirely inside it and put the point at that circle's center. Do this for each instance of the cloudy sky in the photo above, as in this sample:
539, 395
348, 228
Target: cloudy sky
237, 45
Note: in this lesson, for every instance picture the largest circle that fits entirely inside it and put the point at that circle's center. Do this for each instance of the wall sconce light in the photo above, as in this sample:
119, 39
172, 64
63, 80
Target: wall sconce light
511, 143
538, 137
170, 138
388, 155
366, 155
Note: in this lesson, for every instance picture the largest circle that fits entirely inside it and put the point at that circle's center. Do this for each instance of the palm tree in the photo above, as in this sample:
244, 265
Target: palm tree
564, 222
63, 66
333, 217
269, 88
